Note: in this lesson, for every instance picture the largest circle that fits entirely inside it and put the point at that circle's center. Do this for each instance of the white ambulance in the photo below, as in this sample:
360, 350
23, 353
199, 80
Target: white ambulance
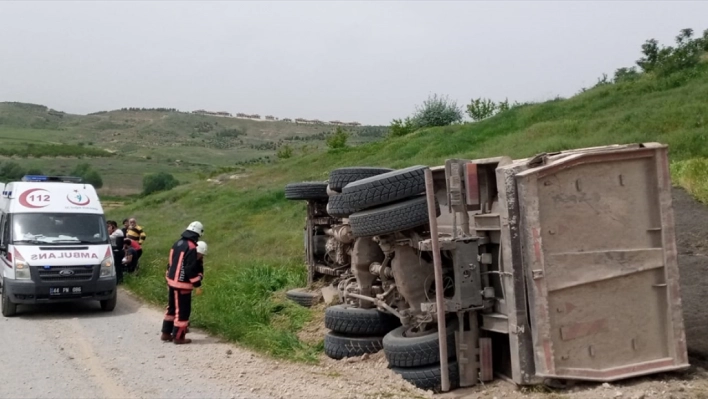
54, 245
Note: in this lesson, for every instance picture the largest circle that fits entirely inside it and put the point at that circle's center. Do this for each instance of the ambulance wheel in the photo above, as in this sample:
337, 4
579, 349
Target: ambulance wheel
9, 309
108, 305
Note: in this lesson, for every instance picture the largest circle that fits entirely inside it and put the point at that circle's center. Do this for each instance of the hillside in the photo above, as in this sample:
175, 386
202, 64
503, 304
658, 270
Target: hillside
255, 235
124, 144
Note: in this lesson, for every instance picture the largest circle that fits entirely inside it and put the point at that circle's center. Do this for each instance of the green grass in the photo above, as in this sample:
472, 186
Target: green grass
238, 286
692, 175
255, 234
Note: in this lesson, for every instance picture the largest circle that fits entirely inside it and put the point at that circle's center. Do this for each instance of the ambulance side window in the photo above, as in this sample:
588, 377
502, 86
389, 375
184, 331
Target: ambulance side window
4, 233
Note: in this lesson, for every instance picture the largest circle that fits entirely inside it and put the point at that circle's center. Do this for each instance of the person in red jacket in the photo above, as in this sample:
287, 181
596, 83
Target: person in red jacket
184, 273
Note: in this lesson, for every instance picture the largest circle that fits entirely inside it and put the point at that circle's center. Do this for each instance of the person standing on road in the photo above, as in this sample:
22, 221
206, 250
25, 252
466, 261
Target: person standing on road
184, 273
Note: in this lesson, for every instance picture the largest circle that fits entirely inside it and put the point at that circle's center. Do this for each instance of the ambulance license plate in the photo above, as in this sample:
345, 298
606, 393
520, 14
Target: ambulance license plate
65, 291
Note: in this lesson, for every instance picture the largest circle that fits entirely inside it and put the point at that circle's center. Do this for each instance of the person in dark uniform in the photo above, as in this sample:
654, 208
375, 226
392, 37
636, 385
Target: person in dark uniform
184, 273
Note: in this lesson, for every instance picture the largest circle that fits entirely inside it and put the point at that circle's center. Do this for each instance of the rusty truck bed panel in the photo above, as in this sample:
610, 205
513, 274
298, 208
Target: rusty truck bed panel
601, 267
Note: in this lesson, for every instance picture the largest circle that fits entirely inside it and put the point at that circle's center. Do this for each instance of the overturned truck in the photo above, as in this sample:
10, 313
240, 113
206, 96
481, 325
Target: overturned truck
562, 266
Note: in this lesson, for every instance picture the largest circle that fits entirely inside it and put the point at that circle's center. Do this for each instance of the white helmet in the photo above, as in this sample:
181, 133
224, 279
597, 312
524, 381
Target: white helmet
196, 227
202, 247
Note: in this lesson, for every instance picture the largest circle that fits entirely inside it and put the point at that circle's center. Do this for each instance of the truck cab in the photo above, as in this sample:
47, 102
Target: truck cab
54, 245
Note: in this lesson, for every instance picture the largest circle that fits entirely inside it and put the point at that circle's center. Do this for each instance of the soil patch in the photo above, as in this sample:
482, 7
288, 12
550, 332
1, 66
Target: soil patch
691, 219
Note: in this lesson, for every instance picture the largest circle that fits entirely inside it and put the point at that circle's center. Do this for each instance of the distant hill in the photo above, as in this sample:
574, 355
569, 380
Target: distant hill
159, 139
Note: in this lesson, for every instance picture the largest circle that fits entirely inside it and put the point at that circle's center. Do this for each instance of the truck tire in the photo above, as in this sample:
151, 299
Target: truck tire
303, 298
350, 320
309, 190
338, 178
9, 309
339, 206
391, 218
338, 346
386, 188
107, 305
428, 377
417, 351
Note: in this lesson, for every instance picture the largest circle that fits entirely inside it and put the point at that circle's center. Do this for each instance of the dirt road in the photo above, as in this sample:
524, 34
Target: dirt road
78, 351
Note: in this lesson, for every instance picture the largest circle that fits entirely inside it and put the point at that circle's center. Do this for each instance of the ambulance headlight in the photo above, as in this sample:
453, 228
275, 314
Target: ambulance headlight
108, 268
22, 270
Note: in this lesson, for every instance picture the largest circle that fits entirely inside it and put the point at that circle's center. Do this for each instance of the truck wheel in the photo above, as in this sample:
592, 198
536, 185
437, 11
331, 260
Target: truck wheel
428, 377
338, 346
309, 190
338, 178
386, 188
303, 298
416, 351
339, 206
9, 309
347, 319
391, 218
107, 305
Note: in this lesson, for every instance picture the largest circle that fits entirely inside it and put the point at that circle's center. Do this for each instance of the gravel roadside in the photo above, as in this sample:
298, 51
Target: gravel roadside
78, 351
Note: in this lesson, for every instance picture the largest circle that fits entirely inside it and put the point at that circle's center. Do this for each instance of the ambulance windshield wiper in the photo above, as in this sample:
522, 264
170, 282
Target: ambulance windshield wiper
31, 242
77, 241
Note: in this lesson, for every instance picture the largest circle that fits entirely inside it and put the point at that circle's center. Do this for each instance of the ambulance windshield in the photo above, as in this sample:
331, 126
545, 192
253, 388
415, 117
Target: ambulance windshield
58, 228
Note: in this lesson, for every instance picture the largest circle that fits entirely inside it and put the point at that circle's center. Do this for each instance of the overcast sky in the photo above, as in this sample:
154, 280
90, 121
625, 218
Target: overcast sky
353, 61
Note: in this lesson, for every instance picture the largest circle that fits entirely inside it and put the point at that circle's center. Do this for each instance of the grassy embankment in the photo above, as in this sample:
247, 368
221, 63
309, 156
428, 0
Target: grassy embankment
255, 235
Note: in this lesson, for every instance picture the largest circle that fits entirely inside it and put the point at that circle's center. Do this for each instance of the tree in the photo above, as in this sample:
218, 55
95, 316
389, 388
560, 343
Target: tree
667, 60
160, 181
650, 49
338, 139
437, 111
482, 108
503, 105
88, 174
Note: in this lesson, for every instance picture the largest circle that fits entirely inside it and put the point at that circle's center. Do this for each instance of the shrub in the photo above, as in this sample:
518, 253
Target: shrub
93, 178
285, 152
626, 75
11, 171
88, 175
53, 150
229, 133
338, 139
437, 111
160, 181
482, 108
400, 127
